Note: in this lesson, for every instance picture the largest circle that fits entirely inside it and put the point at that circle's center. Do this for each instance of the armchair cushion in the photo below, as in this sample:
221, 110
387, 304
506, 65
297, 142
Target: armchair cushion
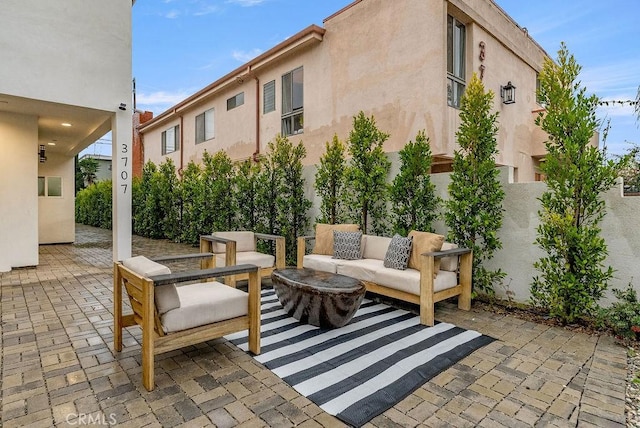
424, 242
205, 303
165, 296
249, 257
346, 245
324, 236
245, 241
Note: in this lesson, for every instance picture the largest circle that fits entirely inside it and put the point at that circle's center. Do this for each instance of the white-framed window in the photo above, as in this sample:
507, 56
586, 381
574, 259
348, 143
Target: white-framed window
456, 83
205, 126
171, 140
292, 102
235, 101
50, 187
269, 97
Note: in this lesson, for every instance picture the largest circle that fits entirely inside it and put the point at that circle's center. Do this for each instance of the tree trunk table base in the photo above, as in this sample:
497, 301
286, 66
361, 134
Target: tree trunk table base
323, 299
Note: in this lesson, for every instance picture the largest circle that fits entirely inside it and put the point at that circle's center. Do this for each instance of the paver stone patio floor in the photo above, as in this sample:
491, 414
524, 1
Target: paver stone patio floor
59, 367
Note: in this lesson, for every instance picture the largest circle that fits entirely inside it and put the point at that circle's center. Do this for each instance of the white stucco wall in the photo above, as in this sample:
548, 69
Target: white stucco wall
620, 229
18, 191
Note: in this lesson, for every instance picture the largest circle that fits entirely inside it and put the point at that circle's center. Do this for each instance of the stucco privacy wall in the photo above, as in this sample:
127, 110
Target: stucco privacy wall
620, 229
56, 225
18, 183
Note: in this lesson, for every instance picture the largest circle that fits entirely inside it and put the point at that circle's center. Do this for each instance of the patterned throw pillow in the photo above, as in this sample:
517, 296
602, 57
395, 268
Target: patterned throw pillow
346, 245
398, 252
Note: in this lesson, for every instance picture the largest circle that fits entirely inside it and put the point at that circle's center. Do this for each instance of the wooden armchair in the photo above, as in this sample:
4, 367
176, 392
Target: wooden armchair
173, 317
240, 247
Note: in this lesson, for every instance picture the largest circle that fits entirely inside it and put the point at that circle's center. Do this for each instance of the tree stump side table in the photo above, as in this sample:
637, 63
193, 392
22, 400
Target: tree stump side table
323, 299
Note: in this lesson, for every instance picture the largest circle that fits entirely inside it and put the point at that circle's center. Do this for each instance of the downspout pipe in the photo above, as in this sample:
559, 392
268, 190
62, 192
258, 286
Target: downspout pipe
180, 170
256, 154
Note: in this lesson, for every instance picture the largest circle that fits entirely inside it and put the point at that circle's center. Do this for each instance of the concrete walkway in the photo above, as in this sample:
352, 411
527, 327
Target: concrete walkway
59, 368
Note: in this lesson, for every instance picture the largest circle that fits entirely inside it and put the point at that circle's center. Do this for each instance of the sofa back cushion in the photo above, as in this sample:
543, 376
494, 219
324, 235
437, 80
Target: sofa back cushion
324, 236
165, 296
424, 242
245, 241
449, 263
375, 247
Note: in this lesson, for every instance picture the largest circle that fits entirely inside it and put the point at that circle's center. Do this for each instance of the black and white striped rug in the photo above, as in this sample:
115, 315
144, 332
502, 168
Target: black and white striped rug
364, 368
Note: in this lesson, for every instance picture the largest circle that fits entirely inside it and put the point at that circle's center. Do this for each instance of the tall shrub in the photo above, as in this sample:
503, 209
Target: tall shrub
150, 218
246, 194
219, 208
169, 199
474, 210
281, 193
572, 274
330, 182
192, 196
413, 200
366, 175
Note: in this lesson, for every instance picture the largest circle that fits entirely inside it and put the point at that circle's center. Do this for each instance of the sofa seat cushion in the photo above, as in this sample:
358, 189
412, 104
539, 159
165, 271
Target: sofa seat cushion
363, 269
249, 257
165, 296
409, 280
245, 241
205, 303
320, 262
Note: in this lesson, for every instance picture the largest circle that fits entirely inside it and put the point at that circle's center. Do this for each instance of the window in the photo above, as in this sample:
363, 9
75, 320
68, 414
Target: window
236, 101
50, 187
269, 97
455, 61
292, 96
171, 140
204, 126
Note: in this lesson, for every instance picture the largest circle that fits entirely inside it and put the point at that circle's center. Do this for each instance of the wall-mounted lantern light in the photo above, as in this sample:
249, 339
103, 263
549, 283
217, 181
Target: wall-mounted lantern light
508, 93
41, 154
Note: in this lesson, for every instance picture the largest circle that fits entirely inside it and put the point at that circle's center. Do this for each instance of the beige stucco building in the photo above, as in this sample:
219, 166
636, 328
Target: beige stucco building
66, 69
405, 62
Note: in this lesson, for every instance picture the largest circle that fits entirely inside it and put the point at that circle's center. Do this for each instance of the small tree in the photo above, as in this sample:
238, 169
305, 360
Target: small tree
169, 199
414, 203
474, 209
88, 169
572, 274
330, 182
366, 175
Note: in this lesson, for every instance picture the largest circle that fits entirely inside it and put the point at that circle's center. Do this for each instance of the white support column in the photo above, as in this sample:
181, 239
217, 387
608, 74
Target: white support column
121, 157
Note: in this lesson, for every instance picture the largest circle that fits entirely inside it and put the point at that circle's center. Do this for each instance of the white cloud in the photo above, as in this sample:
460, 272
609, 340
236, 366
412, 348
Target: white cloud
247, 3
206, 9
245, 56
159, 101
172, 14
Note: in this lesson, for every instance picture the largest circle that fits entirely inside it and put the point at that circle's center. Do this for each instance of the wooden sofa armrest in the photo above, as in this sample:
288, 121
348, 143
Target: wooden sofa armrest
280, 247
206, 246
302, 248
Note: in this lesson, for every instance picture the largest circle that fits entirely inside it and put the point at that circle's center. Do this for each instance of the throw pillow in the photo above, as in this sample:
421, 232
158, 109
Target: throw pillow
398, 252
324, 236
346, 245
424, 242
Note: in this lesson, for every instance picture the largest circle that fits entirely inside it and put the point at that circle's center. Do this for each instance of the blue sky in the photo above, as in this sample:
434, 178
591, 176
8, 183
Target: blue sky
180, 46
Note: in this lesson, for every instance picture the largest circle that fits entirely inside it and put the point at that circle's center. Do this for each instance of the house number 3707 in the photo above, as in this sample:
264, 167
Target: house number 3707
124, 175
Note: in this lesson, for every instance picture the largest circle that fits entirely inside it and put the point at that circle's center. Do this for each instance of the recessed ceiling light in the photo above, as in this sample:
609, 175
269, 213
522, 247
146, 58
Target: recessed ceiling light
65, 124
51, 144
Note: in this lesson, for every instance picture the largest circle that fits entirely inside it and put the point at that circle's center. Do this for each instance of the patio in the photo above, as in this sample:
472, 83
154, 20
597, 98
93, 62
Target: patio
58, 367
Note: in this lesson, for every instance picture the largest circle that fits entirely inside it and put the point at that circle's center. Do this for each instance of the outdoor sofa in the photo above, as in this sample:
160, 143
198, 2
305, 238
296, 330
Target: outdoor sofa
436, 270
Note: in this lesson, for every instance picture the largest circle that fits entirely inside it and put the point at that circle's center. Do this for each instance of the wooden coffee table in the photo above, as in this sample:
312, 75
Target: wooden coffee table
323, 299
